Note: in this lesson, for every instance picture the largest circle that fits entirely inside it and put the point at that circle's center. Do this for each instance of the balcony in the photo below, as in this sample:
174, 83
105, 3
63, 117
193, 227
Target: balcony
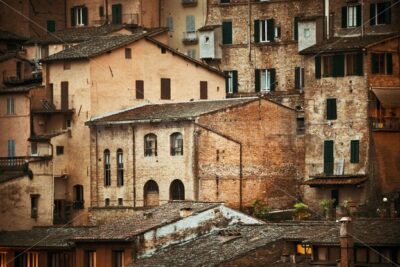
189, 3
190, 38
13, 163
388, 124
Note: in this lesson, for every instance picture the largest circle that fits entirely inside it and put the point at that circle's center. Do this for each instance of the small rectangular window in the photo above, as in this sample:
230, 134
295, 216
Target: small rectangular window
380, 13
354, 151
107, 202
101, 11
331, 109
299, 78
264, 30
170, 24
203, 90
381, 63
120, 201
128, 53
300, 126
266, 80
10, 105
67, 65
51, 26
34, 205
354, 64
163, 50
59, 150
165, 89
34, 148
231, 81
11, 148
225, 1
139, 89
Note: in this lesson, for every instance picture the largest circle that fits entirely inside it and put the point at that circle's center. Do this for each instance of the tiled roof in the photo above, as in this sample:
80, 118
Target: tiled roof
10, 175
41, 237
79, 34
125, 229
208, 28
350, 180
19, 89
170, 111
341, 44
8, 36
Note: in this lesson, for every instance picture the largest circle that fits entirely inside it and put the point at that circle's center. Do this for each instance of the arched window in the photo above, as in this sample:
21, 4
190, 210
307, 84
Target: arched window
151, 194
176, 141
150, 145
107, 168
78, 197
177, 190
120, 167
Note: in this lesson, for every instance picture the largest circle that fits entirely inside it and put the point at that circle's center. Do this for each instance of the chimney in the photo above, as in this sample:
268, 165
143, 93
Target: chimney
346, 243
185, 212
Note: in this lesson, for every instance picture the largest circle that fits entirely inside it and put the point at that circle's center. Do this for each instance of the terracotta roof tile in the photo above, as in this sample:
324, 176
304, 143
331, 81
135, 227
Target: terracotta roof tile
336, 181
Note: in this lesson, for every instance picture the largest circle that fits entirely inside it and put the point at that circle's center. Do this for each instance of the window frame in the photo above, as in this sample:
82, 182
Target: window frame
10, 109
107, 167
35, 206
352, 17
150, 145
331, 109
267, 79
176, 144
120, 167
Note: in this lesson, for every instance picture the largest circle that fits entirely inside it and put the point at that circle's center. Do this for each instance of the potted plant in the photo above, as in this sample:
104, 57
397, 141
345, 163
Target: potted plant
302, 212
328, 206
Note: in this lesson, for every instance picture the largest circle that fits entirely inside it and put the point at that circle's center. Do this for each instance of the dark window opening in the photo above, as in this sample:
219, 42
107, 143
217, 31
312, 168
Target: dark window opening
203, 90
118, 258
165, 88
34, 206
107, 202
151, 194
300, 126
120, 167
139, 89
227, 32
354, 151
177, 190
51, 26
107, 168
381, 63
150, 145
176, 140
331, 109
59, 150
78, 197
120, 201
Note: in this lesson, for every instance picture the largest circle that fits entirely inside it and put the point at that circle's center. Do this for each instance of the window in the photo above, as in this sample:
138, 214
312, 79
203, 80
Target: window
176, 140
120, 201
264, 31
107, 202
380, 13
354, 64
225, 1
139, 89
328, 157
78, 197
151, 194
265, 80
51, 26
381, 63
116, 11
227, 32
231, 81
299, 78
101, 11
170, 24
79, 16
128, 53
307, 33
120, 167
191, 53
107, 168
296, 28
354, 151
203, 90
34, 205
303, 249
165, 89
331, 111
339, 65
333, 66
67, 65
150, 145
28, 259
10, 105
190, 28
59, 150
118, 258
177, 190
90, 258
34, 149
300, 126
11, 148
163, 50
351, 16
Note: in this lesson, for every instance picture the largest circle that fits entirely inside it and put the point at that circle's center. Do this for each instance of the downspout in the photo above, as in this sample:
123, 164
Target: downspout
97, 170
134, 165
106, 8
159, 12
240, 159
327, 21
249, 29
362, 18
196, 165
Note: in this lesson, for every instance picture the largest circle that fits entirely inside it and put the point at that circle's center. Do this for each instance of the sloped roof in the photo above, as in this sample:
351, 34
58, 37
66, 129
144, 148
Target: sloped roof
8, 36
342, 44
19, 89
170, 111
336, 180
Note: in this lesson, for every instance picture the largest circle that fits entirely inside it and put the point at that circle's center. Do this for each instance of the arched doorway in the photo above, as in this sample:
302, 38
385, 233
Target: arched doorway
177, 190
151, 194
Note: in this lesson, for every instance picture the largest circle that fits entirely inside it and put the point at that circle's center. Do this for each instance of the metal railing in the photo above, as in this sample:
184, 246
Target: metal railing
190, 37
385, 123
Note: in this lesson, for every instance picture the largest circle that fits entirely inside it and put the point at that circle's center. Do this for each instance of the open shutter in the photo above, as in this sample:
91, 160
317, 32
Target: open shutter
318, 67
354, 151
296, 28
270, 30
374, 63
344, 17
256, 31
297, 84
328, 157
235, 81
257, 80
389, 63
338, 65
359, 64
358, 15
73, 17
372, 12
85, 16
388, 13
272, 79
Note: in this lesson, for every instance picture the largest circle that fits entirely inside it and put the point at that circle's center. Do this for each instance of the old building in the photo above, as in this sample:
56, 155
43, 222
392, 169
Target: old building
234, 151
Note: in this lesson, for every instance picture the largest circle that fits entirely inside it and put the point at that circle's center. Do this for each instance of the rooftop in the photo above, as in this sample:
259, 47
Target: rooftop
170, 111
342, 44
8, 36
19, 89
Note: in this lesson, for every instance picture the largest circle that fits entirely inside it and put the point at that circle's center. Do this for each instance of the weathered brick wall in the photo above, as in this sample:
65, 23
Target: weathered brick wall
267, 133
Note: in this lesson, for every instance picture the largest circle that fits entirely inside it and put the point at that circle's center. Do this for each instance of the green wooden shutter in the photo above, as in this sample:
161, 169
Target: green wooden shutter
270, 30
51, 26
359, 64
331, 109
297, 73
354, 151
328, 157
235, 81
116, 11
372, 12
226, 82
272, 79
227, 32
374, 63
389, 63
256, 31
358, 15
317, 67
257, 80
296, 28
388, 13
85, 16
344, 17
338, 65
73, 22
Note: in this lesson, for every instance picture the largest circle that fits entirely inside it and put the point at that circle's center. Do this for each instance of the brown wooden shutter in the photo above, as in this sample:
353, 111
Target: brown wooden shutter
165, 88
50, 93
139, 89
64, 95
203, 90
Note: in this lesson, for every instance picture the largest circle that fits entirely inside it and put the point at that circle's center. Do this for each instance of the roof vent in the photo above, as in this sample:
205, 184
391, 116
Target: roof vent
185, 212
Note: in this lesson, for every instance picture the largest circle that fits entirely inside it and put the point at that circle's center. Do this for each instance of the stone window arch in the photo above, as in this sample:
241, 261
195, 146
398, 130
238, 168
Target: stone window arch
177, 190
120, 167
151, 194
176, 141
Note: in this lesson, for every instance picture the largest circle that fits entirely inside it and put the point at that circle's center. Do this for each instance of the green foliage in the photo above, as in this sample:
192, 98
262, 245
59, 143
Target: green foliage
327, 204
260, 209
300, 206
302, 212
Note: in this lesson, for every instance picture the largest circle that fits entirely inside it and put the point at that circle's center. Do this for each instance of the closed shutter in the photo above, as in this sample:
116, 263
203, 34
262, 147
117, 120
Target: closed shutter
227, 32
235, 81
101, 11
190, 24
257, 80
170, 24
11, 148
372, 12
331, 109
139, 89
51, 26
388, 13
354, 151
256, 31
374, 63
297, 78
358, 15
64, 96
296, 28
165, 88
328, 157
389, 63
85, 16
116, 12
344, 17
359, 64
338, 65
203, 90
272, 79
73, 22
318, 67
226, 82
270, 30
302, 78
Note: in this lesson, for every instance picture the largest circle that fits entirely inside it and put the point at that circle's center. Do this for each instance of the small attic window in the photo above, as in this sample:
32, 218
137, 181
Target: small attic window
128, 53
163, 50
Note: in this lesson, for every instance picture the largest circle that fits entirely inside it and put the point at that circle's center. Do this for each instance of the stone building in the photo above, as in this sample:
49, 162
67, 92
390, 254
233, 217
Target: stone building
234, 151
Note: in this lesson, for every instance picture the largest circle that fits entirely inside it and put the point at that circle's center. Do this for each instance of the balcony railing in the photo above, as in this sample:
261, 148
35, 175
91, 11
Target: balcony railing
190, 37
187, 3
386, 123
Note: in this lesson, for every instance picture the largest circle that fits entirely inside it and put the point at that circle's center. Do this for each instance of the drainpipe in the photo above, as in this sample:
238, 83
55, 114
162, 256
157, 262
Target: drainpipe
97, 170
134, 165
249, 29
106, 9
159, 12
362, 18
240, 159
346, 243
327, 21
